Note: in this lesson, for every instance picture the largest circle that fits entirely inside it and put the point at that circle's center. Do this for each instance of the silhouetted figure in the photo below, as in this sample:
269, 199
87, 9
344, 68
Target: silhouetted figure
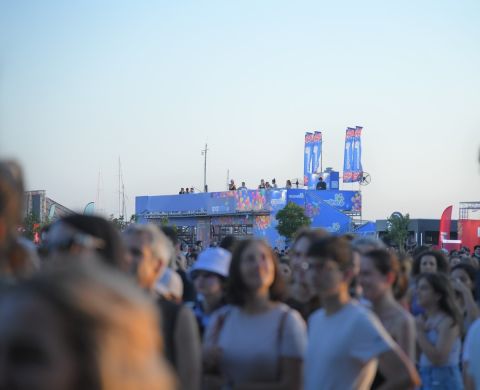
321, 185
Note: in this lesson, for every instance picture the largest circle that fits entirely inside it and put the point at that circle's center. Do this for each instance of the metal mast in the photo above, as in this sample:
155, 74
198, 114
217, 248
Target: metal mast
204, 153
119, 187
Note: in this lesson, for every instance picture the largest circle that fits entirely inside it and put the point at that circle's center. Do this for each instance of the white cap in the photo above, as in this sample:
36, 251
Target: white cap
216, 260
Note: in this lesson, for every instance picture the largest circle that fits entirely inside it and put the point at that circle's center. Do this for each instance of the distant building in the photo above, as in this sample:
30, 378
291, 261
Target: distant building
44, 208
209, 217
421, 231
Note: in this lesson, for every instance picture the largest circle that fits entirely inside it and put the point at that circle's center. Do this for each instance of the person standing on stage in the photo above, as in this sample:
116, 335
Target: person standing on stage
321, 185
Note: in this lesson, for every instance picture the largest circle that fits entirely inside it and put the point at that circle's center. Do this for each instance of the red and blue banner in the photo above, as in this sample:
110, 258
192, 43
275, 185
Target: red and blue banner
307, 158
317, 151
312, 158
352, 160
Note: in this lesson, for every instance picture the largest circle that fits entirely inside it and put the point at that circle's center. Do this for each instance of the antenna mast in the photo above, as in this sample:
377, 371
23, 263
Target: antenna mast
122, 211
119, 187
204, 153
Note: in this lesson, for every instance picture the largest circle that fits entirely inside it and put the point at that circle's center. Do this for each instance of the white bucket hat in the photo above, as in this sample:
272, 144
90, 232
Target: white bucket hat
216, 260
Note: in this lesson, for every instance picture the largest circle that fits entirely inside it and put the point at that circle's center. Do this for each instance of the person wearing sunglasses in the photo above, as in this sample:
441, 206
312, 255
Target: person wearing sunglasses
85, 234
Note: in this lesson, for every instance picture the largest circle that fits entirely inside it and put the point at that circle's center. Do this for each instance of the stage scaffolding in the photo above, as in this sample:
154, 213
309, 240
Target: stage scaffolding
467, 209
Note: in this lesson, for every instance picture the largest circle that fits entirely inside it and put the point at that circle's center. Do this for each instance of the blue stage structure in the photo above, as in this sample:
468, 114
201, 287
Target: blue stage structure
208, 217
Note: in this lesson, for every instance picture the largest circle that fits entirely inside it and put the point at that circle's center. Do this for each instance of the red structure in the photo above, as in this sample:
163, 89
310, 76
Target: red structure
469, 224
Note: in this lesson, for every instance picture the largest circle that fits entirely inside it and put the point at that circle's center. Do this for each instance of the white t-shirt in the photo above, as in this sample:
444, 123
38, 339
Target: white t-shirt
471, 352
251, 348
343, 348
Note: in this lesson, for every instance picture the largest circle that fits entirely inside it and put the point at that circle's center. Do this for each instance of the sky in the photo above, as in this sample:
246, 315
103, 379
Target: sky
86, 83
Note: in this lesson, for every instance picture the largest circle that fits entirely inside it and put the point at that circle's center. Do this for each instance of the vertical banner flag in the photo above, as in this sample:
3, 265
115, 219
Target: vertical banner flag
357, 155
348, 155
308, 159
317, 151
445, 221
352, 160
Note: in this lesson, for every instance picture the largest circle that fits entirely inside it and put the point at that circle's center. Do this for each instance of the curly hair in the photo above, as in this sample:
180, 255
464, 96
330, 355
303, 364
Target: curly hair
440, 259
443, 287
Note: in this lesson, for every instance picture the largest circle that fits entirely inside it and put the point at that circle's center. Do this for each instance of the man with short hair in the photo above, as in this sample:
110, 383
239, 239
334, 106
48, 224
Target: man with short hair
321, 185
345, 340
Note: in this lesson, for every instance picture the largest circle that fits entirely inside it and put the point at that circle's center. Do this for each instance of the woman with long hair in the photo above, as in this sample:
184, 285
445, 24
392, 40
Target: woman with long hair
426, 262
256, 342
438, 333
379, 277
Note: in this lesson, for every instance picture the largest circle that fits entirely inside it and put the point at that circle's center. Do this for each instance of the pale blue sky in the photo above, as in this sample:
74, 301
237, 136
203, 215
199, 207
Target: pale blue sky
82, 83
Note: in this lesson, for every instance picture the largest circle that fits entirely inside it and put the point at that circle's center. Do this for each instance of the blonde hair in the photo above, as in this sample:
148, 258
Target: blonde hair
160, 244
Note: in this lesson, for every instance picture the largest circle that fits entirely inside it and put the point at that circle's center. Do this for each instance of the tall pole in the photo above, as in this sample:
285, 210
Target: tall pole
124, 208
204, 152
119, 188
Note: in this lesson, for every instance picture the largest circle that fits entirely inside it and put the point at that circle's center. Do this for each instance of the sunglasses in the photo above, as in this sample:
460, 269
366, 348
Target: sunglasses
83, 240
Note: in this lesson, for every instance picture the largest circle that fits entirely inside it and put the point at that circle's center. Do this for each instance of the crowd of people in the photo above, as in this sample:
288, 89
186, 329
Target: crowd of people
96, 308
263, 185
186, 190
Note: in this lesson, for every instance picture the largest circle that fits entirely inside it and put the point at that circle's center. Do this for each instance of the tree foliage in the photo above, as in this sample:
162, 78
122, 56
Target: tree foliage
397, 230
31, 225
290, 219
119, 222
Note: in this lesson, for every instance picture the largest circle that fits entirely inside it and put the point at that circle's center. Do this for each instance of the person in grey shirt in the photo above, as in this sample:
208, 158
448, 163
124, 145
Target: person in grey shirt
256, 341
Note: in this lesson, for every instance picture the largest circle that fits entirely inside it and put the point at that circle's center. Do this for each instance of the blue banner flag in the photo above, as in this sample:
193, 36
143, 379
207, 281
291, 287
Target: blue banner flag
348, 155
317, 151
357, 155
308, 159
